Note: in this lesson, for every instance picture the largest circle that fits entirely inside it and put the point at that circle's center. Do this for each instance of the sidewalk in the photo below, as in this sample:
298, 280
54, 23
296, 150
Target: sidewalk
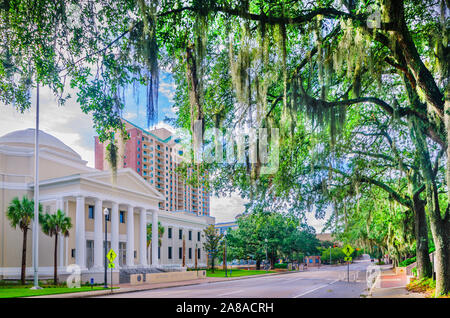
128, 288
390, 285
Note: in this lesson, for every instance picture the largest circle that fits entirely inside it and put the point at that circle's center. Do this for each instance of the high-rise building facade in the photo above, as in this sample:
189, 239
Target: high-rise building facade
155, 156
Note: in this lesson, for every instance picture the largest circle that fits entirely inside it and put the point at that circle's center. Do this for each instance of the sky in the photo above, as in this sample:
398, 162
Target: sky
69, 124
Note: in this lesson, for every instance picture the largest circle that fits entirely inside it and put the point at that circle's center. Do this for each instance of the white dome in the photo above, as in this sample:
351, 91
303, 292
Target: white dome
26, 138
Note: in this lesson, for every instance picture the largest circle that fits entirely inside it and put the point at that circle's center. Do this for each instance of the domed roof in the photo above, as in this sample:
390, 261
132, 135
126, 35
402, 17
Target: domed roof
26, 138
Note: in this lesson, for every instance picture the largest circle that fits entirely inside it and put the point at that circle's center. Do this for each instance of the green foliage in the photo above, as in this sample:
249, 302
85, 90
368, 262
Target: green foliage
55, 224
161, 230
282, 265
337, 256
273, 234
21, 212
213, 240
407, 262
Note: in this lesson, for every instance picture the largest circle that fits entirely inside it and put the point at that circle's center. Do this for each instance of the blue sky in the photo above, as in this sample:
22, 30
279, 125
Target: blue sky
135, 107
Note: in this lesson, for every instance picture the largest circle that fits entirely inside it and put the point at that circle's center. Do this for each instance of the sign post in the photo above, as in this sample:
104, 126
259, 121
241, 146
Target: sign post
111, 256
348, 250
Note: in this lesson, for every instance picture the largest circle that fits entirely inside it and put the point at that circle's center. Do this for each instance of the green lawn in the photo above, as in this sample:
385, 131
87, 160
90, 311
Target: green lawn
236, 272
21, 291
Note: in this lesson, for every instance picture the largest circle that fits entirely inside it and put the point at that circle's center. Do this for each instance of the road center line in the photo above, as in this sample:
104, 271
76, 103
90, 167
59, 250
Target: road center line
314, 289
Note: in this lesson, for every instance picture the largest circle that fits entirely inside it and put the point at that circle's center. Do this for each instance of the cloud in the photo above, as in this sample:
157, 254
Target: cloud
225, 209
67, 123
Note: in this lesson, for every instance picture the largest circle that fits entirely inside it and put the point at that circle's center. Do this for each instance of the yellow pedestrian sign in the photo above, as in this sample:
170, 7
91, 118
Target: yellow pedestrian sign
347, 259
111, 255
348, 250
111, 265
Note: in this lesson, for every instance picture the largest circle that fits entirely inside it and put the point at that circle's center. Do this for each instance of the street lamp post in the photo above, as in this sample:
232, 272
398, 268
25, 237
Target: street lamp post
106, 212
35, 251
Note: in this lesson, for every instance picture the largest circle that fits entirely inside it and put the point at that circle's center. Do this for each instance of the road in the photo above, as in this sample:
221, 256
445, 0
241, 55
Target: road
326, 282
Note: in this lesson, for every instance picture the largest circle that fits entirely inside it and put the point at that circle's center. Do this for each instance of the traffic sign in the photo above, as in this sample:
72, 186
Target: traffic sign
111, 255
111, 265
348, 250
347, 259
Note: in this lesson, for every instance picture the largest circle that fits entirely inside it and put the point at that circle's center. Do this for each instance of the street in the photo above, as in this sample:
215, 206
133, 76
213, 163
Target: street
325, 282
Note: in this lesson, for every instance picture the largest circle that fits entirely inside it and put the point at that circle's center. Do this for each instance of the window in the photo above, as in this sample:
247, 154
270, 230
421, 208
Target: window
190, 252
198, 236
159, 252
180, 253
190, 235
91, 211
169, 232
180, 234
170, 252
122, 216
198, 253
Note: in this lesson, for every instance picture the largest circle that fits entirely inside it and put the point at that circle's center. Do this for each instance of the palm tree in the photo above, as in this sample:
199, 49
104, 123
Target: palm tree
56, 224
21, 213
149, 234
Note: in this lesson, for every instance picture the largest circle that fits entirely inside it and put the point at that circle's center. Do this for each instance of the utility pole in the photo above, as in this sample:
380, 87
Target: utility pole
36, 197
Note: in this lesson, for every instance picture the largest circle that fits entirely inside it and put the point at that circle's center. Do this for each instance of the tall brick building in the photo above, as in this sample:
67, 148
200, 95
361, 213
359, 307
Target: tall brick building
154, 156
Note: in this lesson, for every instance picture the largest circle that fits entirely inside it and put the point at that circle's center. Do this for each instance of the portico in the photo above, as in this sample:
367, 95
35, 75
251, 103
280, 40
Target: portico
83, 193
130, 209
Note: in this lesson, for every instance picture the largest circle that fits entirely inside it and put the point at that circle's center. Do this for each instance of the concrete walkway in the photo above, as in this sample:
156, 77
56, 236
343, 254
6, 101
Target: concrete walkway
128, 288
390, 285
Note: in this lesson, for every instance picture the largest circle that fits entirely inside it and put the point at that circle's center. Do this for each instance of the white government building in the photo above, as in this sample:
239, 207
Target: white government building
67, 183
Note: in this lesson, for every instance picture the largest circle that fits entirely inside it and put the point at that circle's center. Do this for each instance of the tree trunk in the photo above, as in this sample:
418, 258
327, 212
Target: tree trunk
55, 272
440, 227
258, 264
24, 256
421, 232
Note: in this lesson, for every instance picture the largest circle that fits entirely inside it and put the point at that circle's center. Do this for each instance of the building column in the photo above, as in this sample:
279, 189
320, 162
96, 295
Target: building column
115, 231
143, 237
130, 236
60, 206
154, 237
80, 233
98, 234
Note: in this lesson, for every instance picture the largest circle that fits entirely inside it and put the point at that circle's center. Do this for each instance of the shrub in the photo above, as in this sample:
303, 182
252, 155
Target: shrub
407, 262
282, 265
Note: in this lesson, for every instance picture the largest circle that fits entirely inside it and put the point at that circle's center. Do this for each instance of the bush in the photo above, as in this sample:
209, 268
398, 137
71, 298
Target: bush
282, 265
407, 262
337, 256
